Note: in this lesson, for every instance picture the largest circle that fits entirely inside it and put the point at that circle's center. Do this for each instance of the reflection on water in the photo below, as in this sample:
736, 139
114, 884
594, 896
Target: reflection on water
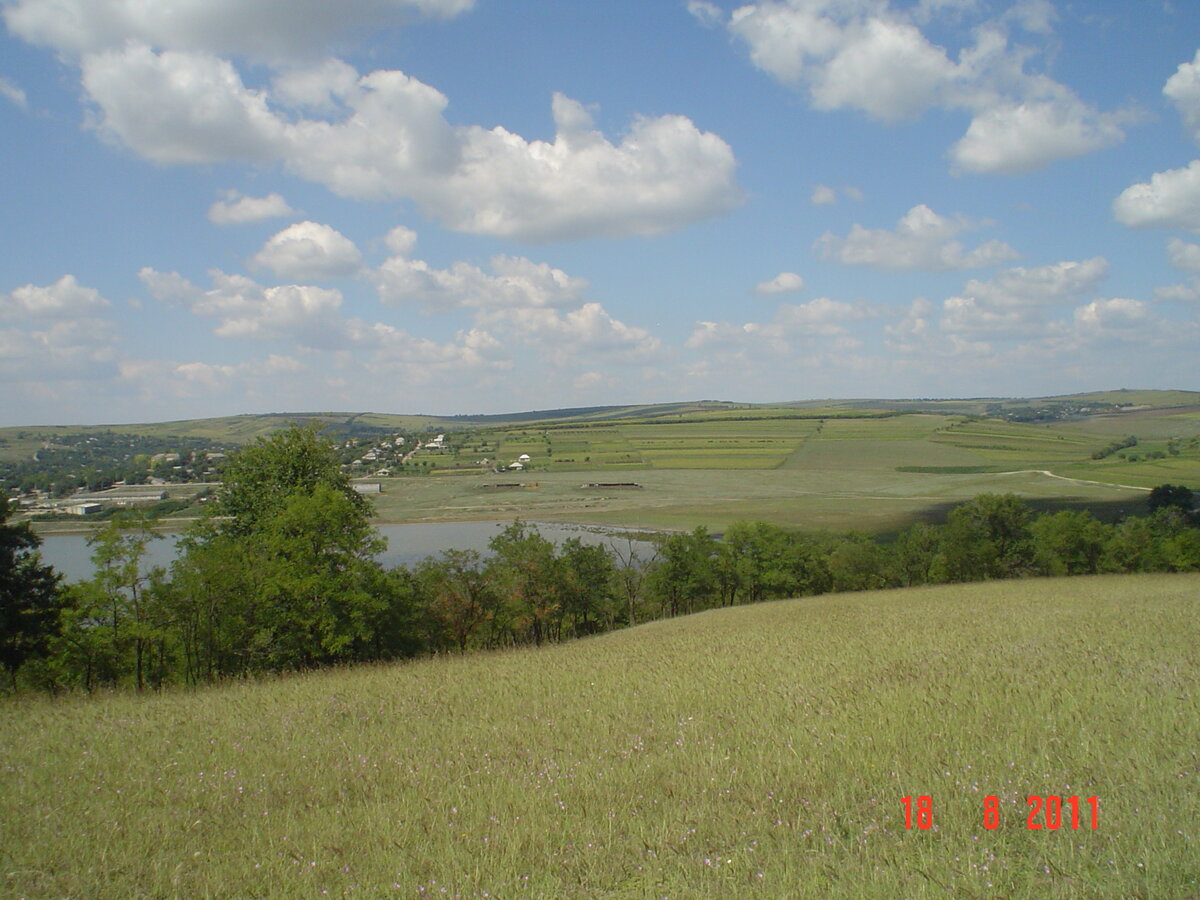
407, 544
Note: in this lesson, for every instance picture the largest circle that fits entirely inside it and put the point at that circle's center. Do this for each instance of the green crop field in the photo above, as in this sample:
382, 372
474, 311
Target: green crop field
827, 464
760, 751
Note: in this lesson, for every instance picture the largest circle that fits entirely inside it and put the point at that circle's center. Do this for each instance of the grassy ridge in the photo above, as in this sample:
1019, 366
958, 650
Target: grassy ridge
752, 752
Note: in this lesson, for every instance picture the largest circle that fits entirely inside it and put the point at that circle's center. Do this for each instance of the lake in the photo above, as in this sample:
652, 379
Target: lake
407, 544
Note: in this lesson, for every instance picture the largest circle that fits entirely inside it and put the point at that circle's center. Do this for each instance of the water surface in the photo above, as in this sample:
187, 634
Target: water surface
407, 544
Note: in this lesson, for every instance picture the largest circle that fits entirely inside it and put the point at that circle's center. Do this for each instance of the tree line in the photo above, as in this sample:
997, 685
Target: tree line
281, 574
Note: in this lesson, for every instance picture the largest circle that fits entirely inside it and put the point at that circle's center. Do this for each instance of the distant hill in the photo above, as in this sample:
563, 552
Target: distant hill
242, 429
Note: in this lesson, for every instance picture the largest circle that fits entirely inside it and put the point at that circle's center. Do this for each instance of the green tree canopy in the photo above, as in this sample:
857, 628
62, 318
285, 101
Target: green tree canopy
29, 597
258, 481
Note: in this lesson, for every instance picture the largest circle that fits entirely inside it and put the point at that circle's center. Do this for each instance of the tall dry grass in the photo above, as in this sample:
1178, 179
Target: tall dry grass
753, 752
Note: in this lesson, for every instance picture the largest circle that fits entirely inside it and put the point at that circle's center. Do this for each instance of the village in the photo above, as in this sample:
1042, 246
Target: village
92, 475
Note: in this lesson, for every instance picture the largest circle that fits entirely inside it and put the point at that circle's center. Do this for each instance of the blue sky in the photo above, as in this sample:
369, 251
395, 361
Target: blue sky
461, 206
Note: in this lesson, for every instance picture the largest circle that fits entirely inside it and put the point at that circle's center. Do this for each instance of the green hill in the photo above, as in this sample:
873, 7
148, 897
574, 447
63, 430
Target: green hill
760, 751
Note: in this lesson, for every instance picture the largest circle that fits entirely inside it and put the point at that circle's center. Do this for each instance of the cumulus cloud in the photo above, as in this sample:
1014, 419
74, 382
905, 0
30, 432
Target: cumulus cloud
1022, 137
268, 30
62, 350
58, 331
922, 240
783, 283
1184, 255
1012, 302
1183, 89
665, 173
236, 209
65, 298
1118, 315
793, 325
707, 14
309, 251
163, 83
565, 337
13, 94
180, 107
514, 283
871, 56
245, 309
823, 195
1170, 199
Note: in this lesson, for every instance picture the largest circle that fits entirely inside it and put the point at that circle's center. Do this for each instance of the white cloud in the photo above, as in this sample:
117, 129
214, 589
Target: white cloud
311, 317
65, 298
885, 68
263, 30
1170, 199
1183, 89
1108, 316
871, 56
1037, 16
707, 14
1057, 283
236, 209
1012, 303
665, 173
309, 251
58, 334
516, 283
401, 241
1022, 137
386, 137
1184, 255
821, 320
13, 94
246, 309
567, 338
180, 107
783, 283
823, 195
63, 350
922, 240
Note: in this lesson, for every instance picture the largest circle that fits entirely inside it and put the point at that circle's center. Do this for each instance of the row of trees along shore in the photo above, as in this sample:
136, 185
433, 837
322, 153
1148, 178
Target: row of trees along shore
281, 575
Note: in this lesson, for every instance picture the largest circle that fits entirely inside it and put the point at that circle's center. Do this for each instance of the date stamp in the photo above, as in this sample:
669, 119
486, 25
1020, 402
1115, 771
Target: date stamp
1049, 813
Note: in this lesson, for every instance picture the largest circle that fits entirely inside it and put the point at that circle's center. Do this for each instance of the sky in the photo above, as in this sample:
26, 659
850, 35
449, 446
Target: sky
215, 207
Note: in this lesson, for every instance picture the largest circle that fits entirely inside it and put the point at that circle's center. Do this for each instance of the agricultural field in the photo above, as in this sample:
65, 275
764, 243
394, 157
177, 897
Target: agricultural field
829, 464
873, 474
760, 751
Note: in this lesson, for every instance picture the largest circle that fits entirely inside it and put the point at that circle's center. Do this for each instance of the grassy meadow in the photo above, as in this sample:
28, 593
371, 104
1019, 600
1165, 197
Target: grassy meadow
760, 751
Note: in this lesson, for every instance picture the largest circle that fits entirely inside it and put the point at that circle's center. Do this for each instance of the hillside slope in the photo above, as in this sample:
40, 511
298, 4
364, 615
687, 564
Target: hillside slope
752, 752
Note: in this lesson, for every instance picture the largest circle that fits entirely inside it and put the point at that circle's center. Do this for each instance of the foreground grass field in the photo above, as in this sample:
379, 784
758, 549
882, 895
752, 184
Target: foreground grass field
752, 752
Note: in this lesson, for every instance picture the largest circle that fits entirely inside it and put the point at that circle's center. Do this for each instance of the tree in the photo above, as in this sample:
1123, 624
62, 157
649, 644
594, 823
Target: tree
257, 481
770, 562
282, 573
118, 550
318, 594
915, 554
630, 575
683, 578
29, 596
1167, 496
857, 563
1069, 543
588, 578
988, 537
457, 595
527, 574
